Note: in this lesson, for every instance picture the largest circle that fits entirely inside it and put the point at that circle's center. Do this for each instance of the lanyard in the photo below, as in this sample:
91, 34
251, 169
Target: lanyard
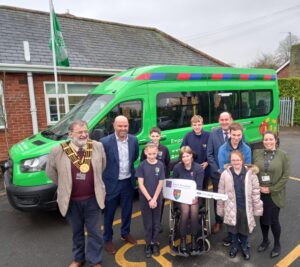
267, 160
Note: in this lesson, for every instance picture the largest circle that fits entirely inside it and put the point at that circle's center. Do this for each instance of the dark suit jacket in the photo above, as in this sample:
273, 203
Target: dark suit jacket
216, 139
111, 172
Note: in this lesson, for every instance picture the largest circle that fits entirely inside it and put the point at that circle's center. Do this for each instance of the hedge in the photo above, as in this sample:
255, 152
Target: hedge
289, 87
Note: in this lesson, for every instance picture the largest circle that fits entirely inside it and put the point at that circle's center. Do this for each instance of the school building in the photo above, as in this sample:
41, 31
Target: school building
97, 49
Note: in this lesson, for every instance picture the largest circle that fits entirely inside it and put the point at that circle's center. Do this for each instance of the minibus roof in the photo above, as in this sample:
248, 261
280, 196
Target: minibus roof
177, 72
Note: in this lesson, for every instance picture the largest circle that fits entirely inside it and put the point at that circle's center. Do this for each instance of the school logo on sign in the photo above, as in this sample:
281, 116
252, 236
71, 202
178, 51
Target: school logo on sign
169, 184
177, 193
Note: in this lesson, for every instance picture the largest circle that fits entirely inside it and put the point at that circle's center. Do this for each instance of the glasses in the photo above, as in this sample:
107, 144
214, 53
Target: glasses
81, 132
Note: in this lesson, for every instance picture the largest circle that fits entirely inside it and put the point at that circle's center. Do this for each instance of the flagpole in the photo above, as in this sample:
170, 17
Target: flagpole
54, 58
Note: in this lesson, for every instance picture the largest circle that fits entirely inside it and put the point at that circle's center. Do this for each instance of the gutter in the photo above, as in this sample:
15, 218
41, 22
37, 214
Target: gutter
61, 70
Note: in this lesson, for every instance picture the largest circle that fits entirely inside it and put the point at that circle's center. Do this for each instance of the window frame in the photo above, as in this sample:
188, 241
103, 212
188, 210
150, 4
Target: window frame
4, 126
64, 96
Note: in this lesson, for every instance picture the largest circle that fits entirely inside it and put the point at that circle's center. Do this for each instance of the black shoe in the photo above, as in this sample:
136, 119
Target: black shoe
155, 249
263, 246
233, 251
194, 246
182, 250
248, 244
246, 254
148, 251
275, 252
227, 241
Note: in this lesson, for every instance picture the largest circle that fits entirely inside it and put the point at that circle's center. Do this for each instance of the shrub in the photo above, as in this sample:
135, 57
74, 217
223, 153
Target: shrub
290, 87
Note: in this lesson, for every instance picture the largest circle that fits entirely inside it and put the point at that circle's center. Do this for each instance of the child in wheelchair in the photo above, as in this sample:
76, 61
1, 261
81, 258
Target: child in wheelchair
185, 218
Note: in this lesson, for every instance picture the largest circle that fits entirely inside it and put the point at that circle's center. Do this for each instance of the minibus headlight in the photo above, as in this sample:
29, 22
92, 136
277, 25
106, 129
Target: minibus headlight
34, 164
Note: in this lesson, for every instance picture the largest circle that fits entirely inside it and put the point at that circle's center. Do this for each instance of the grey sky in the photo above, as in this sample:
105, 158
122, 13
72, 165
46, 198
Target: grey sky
234, 31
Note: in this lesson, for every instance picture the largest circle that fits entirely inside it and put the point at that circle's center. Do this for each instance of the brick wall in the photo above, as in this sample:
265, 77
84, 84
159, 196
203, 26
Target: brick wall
295, 61
285, 72
17, 105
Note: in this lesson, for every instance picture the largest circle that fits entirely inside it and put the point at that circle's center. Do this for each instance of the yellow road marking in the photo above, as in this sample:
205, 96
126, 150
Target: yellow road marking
121, 260
290, 258
120, 256
295, 178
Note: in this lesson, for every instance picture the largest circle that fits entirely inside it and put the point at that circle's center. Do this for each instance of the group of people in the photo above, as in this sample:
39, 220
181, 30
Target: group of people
92, 176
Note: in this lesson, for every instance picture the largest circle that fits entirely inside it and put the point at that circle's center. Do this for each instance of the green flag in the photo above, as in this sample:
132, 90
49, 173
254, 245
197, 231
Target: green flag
59, 44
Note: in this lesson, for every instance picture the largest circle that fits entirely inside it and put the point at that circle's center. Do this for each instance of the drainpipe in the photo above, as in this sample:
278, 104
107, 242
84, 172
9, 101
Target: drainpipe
31, 90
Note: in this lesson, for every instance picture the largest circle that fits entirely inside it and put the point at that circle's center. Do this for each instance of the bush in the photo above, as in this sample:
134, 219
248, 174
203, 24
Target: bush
289, 87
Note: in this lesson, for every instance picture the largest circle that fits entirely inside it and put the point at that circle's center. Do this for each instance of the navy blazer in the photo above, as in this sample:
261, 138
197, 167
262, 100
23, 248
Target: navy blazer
216, 139
111, 172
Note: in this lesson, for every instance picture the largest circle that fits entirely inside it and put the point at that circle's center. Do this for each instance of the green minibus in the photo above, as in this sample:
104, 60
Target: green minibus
163, 96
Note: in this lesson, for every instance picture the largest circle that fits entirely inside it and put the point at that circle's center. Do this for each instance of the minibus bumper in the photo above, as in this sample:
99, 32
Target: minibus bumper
29, 198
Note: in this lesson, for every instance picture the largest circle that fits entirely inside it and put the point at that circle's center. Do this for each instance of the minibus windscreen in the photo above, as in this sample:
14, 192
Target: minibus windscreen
85, 110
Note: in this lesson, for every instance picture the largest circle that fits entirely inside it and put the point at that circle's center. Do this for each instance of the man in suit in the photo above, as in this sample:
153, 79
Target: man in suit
76, 167
121, 151
217, 138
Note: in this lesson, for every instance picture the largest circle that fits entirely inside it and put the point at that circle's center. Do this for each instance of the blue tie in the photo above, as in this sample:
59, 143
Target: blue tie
226, 136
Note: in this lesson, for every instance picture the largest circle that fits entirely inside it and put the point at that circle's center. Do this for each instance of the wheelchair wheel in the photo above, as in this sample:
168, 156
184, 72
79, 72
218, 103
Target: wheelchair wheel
204, 244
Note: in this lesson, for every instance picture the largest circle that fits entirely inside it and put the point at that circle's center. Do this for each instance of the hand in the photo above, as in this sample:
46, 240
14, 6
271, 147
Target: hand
204, 165
265, 190
152, 203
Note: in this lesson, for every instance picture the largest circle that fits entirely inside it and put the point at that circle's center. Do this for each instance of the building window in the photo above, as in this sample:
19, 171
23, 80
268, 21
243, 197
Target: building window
69, 94
2, 109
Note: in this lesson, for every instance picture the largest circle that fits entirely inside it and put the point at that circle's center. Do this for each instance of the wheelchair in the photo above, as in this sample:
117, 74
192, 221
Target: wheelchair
203, 233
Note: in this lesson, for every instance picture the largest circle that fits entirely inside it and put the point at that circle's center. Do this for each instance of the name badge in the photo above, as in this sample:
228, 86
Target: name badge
265, 178
80, 176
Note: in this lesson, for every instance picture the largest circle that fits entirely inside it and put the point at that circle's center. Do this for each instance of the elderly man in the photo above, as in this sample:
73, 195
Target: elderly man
76, 167
121, 151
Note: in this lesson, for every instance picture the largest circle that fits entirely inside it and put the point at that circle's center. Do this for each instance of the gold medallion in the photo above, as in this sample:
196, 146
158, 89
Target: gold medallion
84, 168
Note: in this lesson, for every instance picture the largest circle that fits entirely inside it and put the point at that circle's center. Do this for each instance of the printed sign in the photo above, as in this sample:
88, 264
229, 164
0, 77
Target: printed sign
184, 191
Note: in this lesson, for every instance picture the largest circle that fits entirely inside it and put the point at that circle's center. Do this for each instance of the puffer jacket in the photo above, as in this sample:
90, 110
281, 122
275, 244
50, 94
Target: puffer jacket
228, 208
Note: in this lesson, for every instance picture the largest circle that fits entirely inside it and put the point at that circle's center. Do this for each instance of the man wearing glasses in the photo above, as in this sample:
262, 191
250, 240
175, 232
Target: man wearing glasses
76, 167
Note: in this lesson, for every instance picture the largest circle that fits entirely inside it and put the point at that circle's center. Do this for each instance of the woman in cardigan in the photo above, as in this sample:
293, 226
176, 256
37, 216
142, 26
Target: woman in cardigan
273, 176
242, 187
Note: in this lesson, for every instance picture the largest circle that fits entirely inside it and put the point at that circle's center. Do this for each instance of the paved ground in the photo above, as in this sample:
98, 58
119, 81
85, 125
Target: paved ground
44, 238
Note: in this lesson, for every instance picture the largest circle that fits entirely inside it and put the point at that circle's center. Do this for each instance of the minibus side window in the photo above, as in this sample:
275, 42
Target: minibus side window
221, 101
175, 110
245, 110
130, 109
259, 103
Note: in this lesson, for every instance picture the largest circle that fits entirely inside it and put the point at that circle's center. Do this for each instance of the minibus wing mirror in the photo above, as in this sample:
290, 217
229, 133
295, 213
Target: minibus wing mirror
97, 134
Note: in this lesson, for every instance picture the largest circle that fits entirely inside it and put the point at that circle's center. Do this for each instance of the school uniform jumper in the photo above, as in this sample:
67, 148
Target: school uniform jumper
198, 144
152, 174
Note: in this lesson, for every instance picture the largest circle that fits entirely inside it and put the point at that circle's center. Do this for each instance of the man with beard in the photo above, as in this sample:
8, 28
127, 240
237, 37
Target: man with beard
76, 167
122, 151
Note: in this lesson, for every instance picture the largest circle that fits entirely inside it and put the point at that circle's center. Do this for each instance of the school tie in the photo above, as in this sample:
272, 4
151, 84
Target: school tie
226, 136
